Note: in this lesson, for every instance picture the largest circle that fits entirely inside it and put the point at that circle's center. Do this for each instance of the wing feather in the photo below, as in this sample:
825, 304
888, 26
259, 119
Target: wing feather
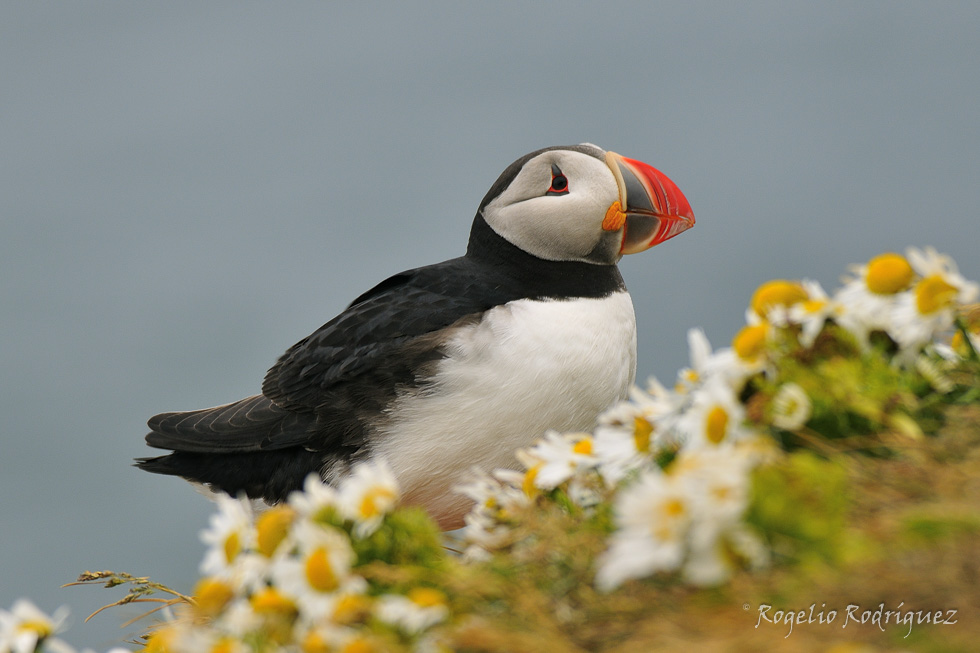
251, 424
327, 389
369, 340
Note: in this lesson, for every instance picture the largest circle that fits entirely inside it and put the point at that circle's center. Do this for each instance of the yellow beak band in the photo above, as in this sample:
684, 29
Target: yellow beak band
615, 218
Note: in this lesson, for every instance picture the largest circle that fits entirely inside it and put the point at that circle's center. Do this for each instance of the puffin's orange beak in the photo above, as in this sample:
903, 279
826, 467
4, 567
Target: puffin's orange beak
651, 208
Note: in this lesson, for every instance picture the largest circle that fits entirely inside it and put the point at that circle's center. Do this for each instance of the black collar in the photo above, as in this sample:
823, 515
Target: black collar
537, 277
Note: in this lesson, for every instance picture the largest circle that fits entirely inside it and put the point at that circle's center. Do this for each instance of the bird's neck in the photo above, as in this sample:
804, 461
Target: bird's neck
556, 279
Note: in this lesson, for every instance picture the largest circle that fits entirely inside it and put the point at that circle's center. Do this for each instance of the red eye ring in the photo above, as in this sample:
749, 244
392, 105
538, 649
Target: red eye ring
559, 182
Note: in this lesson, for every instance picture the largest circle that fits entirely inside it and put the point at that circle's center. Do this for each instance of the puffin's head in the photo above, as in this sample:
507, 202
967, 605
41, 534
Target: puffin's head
581, 203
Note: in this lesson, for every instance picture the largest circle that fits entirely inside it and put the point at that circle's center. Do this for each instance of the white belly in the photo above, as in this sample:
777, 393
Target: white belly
527, 367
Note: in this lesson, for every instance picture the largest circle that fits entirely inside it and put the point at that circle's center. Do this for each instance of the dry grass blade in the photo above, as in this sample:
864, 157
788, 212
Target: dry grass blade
139, 593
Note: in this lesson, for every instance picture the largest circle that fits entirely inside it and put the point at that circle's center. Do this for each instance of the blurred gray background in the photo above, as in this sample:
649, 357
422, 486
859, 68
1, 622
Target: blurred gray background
188, 188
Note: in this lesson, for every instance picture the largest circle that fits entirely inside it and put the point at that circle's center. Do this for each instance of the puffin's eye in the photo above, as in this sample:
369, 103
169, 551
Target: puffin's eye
559, 182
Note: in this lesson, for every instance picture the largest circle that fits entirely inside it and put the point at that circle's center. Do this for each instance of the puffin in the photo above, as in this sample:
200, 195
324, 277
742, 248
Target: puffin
453, 366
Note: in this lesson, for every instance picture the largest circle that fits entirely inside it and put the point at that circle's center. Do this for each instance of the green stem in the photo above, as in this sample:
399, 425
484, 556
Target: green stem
961, 325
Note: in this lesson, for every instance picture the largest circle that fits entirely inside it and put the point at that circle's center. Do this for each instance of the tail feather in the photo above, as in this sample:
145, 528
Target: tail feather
269, 475
251, 424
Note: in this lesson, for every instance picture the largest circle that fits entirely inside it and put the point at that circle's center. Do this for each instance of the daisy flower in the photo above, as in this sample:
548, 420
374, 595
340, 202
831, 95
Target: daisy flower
315, 498
352, 603
238, 619
791, 407
25, 628
181, 637
523, 481
715, 416
868, 297
211, 596
493, 499
930, 307
272, 527
700, 355
419, 610
747, 356
483, 535
710, 560
231, 533
318, 570
496, 503
652, 517
961, 347
624, 440
687, 518
328, 638
776, 294
557, 456
498, 499
749, 346
272, 603
717, 481
811, 314
207, 640
367, 495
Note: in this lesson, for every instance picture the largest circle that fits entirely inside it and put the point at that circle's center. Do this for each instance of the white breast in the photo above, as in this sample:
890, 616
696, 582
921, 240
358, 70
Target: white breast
527, 367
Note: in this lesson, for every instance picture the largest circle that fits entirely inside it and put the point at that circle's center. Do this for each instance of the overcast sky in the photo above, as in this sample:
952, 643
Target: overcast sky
187, 188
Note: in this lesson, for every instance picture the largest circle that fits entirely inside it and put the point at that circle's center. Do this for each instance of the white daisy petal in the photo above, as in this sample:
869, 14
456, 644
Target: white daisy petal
367, 495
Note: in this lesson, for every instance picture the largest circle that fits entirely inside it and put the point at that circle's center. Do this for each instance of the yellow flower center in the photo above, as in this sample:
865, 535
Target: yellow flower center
272, 527
160, 641
888, 274
528, 486
358, 645
777, 293
211, 596
225, 645
722, 492
269, 601
667, 513
673, 508
426, 597
314, 642
583, 447
233, 546
642, 430
934, 293
814, 305
319, 572
959, 343
351, 608
374, 501
40, 628
750, 342
716, 425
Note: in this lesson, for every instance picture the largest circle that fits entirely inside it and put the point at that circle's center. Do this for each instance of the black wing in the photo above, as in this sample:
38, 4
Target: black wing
388, 331
251, 424
325, 394
327, 390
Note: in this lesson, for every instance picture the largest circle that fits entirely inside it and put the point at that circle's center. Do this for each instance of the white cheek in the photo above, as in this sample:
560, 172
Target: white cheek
563, 227
557, 228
